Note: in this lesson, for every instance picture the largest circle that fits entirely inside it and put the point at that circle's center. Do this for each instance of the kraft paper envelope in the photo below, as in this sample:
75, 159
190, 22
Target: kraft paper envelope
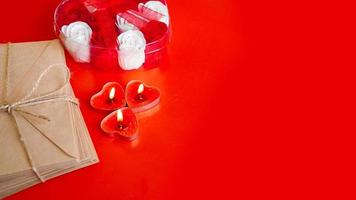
42, 132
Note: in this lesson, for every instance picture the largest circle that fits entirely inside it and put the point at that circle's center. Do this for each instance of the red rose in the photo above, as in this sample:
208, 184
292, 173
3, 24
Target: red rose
154, 30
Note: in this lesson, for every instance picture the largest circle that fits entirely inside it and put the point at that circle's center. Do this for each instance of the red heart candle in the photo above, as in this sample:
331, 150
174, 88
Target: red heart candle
121, 123
140, 97
111, 97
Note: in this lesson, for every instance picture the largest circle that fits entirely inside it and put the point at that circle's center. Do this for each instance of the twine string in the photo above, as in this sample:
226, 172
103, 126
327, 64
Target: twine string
27, 101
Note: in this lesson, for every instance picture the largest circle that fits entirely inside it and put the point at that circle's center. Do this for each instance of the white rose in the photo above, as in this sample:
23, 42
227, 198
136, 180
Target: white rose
123, 24
156, 6
132, 45
132, 38
77, 37
130, 59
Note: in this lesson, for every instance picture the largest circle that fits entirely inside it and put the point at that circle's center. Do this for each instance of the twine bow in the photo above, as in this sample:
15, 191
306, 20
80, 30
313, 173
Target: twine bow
27, 101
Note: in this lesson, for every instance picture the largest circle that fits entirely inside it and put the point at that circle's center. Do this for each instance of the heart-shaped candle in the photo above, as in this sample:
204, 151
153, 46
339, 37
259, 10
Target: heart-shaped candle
140, 97
121, 123
111, 97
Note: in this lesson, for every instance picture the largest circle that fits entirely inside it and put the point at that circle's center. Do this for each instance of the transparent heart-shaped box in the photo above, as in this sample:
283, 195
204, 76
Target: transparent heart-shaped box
89, 30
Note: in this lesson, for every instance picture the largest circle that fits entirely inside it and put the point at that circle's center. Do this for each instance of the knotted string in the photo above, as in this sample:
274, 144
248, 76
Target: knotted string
46, 98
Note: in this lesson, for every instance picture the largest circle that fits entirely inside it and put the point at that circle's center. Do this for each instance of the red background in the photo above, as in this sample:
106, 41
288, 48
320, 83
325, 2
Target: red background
257, 102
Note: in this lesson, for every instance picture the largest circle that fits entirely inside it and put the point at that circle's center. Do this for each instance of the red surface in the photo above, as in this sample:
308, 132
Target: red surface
257, 102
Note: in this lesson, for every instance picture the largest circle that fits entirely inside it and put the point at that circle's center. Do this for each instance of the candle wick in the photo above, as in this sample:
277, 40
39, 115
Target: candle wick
140, 97
121, 126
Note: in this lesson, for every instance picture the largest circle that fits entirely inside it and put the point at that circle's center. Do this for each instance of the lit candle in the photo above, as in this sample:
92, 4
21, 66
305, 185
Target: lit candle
110, 97
121, 123
120, 119
112, 94
140, 97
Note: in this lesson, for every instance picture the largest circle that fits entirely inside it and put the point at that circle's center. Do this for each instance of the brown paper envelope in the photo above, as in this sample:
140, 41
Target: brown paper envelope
89, 160
87, 152
55, 142
20, 180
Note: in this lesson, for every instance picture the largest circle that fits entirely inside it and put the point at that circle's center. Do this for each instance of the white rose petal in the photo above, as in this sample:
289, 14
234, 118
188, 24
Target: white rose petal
77, 37
165, 20
131, 58
132, 45
132, 38
124, 25
156, 6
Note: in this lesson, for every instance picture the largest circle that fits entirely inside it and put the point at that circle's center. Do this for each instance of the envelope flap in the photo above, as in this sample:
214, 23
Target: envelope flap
27, 61
50, 141
12, 154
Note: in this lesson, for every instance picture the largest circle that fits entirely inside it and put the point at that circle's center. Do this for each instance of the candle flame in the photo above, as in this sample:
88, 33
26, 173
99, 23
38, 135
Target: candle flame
119, 116
140, 89
112, 93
